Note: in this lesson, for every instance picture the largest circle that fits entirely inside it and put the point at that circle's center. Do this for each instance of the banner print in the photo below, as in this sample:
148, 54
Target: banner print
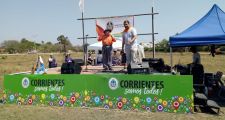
114, 24
155, 93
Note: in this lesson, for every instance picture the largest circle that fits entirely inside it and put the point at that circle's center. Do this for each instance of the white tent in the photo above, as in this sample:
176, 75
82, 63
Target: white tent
98, 45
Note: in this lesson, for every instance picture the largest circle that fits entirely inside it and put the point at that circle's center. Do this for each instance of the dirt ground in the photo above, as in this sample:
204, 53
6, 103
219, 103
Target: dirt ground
14, 112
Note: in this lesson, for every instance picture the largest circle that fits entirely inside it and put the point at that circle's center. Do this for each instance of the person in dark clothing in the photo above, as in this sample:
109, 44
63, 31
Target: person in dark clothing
123, 58
212, 50
52, 62
68, 59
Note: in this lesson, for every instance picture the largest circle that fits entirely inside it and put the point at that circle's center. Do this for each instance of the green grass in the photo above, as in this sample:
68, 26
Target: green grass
26, 112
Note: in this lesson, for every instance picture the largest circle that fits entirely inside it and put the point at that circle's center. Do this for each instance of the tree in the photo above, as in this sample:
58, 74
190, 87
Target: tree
26, 45
48, 43
204, 48
11, 46
64, 41
163, 46
222, 48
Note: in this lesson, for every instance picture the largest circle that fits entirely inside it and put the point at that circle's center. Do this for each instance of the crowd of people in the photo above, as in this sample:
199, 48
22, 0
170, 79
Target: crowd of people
118, 58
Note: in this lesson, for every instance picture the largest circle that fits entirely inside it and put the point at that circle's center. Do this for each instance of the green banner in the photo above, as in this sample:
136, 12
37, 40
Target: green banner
161, 93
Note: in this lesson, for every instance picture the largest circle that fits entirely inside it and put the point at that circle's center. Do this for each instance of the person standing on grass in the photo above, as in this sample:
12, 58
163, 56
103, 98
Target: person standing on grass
196, 56
107, 41
130, 42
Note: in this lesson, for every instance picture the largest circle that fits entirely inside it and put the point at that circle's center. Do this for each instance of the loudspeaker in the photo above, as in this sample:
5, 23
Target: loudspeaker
79, 61
70, 68
138, 68
197, 70
155, 63
64, 68
77, 68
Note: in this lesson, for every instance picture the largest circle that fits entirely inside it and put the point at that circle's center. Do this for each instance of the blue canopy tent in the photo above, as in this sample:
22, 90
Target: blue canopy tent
209, 30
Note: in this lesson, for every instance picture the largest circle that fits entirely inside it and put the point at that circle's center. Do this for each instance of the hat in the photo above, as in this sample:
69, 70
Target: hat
107, 30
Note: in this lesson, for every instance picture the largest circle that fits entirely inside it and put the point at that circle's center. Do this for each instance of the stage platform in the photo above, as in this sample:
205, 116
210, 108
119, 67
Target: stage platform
90, 70
103, 89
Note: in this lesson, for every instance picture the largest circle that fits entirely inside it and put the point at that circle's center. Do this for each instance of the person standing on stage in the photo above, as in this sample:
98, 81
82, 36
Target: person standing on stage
107, 41
130, 41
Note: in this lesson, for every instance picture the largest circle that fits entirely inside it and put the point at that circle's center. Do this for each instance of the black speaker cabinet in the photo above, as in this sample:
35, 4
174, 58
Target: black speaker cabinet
155, 63
138, 68
70, 68
79, 61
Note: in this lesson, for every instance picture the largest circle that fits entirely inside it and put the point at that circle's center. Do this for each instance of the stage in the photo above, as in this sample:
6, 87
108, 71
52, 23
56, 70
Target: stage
103, 89
90, 70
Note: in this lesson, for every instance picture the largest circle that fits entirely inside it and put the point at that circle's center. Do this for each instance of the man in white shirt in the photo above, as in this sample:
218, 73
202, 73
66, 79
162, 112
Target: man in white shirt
130, 42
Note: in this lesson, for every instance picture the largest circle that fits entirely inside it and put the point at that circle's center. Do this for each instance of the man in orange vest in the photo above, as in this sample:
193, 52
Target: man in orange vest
107, 41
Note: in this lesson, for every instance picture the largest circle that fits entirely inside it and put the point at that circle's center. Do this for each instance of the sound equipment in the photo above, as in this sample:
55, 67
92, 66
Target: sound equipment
138, 68
155, 63
70, 68
197, 70
208, 77
79, 61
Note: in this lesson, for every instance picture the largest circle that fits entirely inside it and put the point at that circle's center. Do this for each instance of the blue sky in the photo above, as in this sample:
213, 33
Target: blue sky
45, 20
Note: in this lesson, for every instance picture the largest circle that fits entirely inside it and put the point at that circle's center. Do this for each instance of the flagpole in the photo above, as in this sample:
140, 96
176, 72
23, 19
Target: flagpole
86, 53
83, 36
153, 32
81, 5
